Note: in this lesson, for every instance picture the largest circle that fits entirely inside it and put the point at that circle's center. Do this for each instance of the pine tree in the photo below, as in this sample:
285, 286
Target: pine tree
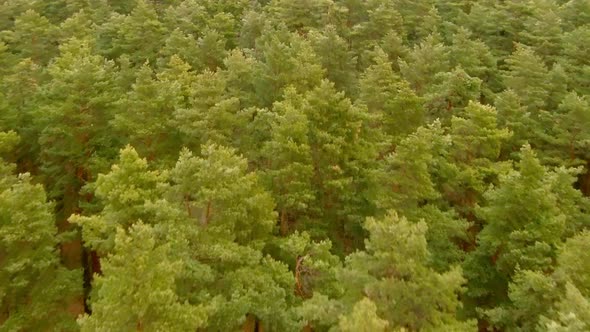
450, 93
285, 59
144, 115
33, 36
575, 13
21, 89
36, 291
524, 225
336, 58
420, 18
138, 34
574, 59
543, 30
129, 193
393, 267
136, 290
408, 183
210, 186
181, 45
210, 115
342, 146
289, 171
383, 19
75, 138
363, 318
476, 59
390, 100
475, 151
234, 218
528, 77
424, 61
301, 15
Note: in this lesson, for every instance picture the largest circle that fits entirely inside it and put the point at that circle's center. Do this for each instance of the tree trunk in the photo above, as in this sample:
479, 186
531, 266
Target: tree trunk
307, 328
584, 180
250, 324
284, 223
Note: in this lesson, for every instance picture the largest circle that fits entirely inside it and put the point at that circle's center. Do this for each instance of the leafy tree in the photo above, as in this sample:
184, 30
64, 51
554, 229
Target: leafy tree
342, 145
289, 170
75, 139
136, 290
524, 226
528, 77
363, 318
424, 61
393, 267
33, 36
145, 114
36, 291
130, 192
390, 100
285, 59
336, 58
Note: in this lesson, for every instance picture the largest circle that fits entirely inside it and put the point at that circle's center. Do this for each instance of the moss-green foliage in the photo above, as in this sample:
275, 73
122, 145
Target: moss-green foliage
218, 165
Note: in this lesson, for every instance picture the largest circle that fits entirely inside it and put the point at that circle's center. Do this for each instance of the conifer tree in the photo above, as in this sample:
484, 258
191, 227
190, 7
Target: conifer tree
36, 291
363, 318
78, 103
574, 61
285, 59
524, 225
393, 267
139, 34
427, 58
528, 77
289, 171
342, 144
336, 58
145, 115
390, 100
136, 290
33, 36
234, 218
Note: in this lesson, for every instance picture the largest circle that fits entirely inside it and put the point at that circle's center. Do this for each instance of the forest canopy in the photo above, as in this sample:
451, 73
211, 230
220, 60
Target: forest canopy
282, 165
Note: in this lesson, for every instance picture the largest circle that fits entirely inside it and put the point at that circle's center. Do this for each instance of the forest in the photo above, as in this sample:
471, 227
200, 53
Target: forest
295, 165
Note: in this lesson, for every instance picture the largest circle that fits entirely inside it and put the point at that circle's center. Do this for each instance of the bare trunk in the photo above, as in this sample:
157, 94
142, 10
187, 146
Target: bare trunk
250, 324
284, 223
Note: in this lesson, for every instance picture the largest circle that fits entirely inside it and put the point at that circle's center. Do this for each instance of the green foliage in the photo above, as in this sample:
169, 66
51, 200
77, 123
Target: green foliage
35, 289
525, 224
129, 193
390, 100
363, 318
393, 267
140, 296
212, 163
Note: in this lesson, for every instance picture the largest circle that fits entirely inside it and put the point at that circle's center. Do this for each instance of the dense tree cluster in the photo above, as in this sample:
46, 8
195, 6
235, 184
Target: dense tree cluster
309, 165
